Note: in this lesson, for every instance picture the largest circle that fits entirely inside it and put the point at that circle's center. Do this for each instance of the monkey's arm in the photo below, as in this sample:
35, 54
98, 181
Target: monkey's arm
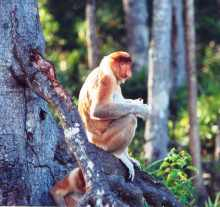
105, 107
117, 110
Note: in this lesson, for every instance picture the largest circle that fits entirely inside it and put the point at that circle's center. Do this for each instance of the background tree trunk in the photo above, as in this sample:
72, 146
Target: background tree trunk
178, 60
137, 31
194, 140
92, 42
28, 134
217, 147
217, 144
178, 45
156, 133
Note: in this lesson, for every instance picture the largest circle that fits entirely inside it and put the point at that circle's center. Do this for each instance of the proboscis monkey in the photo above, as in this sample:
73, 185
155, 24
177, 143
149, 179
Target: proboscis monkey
110, 120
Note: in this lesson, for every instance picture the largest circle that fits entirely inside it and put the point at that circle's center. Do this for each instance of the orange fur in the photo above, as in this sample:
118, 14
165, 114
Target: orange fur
70, 201
105, 89
100, 87
74, 182
121, 56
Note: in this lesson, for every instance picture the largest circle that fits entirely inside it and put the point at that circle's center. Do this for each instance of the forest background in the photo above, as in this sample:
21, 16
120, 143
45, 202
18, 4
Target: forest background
75, 53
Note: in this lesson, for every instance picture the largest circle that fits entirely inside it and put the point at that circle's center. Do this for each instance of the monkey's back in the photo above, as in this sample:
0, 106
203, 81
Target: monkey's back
87, 95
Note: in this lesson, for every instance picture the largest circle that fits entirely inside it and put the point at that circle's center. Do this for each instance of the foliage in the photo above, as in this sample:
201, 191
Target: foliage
61, 50
110, 26
208, 101
208, 53
215, 203
174, 171
208, 22
66, 46
50, 26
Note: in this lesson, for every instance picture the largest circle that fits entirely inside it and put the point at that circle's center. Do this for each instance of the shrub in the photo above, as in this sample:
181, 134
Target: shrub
174, 171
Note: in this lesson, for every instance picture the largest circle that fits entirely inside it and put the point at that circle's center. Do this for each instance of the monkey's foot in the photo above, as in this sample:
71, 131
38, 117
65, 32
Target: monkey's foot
136, 162
58, 198
128, 163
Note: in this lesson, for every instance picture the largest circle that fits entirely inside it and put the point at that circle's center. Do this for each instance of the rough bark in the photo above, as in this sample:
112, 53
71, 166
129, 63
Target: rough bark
92, 41
28, 134
159, 79
194, 140
178, 45
137, 31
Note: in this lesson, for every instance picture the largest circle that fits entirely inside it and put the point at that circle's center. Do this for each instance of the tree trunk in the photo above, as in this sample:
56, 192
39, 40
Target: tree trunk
217, 147
156, 133
178, 46
194, 140
92, 42
137, 31
28, 134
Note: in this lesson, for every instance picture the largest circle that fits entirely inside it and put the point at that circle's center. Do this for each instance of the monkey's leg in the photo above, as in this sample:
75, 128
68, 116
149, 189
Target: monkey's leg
117, 138
119, 134
73, 183
127, 162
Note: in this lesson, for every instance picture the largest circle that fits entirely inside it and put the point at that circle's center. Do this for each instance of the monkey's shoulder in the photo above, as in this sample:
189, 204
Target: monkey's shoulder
106, 81
99, 80
90, 83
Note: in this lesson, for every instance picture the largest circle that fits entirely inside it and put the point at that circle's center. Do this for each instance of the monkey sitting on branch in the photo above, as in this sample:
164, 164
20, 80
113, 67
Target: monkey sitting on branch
109, 119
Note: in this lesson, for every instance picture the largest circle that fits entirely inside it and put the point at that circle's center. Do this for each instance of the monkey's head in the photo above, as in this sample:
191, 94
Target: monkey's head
121, 65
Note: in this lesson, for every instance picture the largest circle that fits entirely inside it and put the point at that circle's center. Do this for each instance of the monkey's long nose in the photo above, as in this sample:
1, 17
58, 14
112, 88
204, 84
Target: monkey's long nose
129, 73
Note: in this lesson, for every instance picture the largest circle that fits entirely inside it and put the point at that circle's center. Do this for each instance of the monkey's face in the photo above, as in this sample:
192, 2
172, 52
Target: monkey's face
121, 65
125, 71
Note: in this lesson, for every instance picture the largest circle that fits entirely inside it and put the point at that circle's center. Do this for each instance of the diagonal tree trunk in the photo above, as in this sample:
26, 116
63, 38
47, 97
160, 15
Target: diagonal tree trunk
137, 31
178, 45
156, 132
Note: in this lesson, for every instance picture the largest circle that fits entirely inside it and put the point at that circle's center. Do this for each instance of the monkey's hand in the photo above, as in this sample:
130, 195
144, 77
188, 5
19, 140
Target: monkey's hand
135, 101
139, 101
142, 111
